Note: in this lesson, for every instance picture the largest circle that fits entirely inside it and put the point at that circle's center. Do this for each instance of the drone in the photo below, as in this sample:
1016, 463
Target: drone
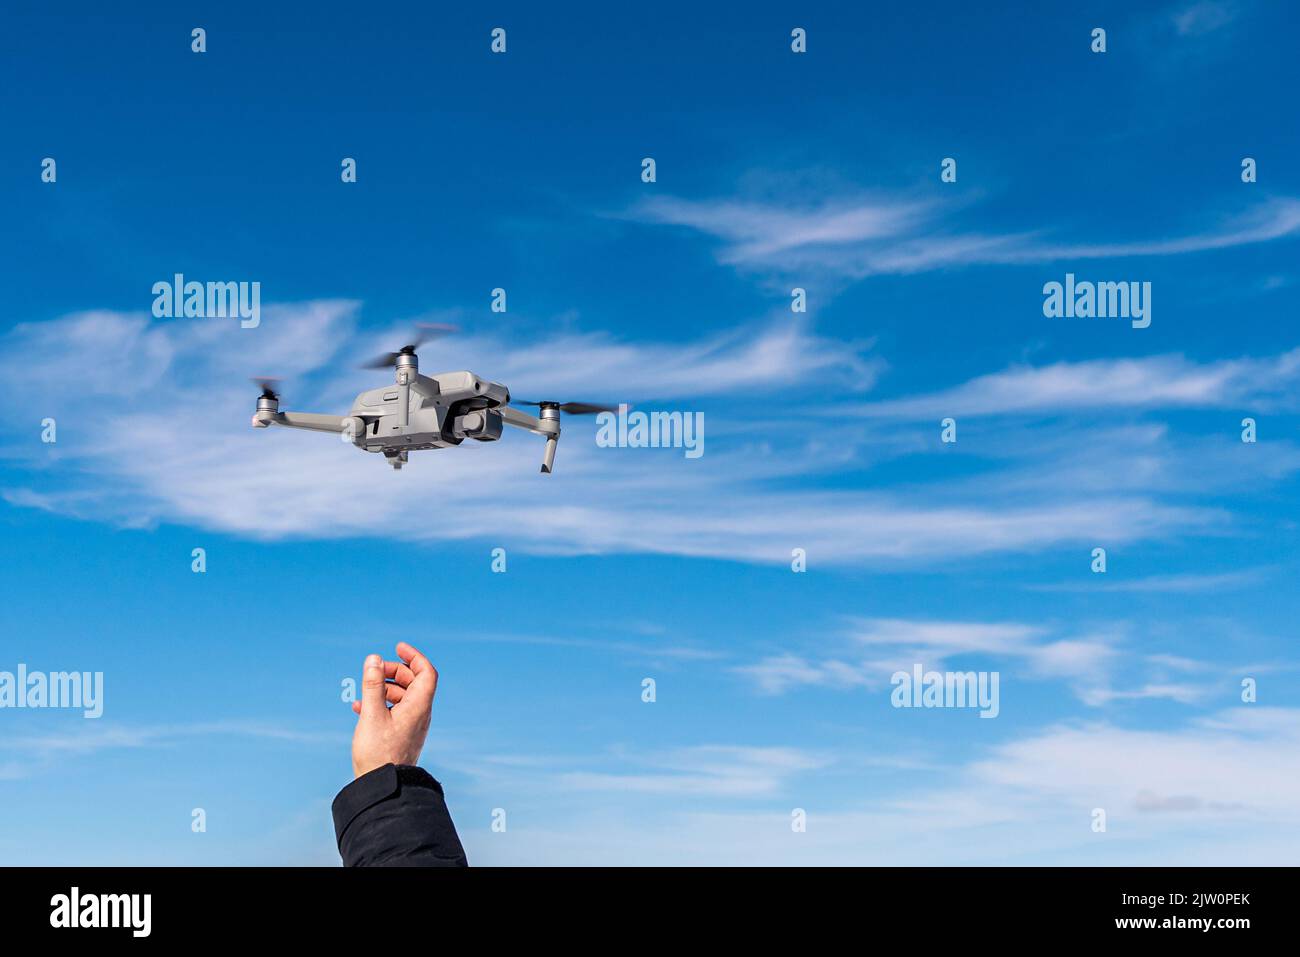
425, 412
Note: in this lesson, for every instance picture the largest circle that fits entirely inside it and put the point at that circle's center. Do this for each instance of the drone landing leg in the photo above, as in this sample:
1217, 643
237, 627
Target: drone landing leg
548, 457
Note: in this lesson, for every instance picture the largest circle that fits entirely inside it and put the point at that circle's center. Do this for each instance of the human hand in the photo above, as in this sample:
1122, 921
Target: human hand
393, 735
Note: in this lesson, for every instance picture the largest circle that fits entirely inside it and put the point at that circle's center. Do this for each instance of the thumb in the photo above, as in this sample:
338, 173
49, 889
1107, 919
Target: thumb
372, 688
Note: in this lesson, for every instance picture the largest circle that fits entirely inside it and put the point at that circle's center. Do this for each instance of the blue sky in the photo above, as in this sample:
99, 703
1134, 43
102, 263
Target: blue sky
774, 170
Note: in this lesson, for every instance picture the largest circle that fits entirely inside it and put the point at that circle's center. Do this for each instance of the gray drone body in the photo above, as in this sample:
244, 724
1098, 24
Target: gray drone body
425, 412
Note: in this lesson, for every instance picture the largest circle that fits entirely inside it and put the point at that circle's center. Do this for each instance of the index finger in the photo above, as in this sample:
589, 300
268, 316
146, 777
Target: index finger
426, 675
412, 656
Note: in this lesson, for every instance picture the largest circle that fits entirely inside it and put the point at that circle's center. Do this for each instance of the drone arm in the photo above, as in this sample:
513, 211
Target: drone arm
548, 428
521, 420
302, 420
313, 422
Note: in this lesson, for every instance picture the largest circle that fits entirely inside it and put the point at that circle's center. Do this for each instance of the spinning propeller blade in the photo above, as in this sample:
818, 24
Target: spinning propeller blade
425, 332
266, 383
571, 408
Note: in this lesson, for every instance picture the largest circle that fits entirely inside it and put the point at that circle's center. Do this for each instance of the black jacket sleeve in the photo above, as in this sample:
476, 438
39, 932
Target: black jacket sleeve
395, 816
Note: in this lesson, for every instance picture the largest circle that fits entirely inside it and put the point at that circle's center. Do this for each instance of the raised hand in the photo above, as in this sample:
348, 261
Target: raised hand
393, 735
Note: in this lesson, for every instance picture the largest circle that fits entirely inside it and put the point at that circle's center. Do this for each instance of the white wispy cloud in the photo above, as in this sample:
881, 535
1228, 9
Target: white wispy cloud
1098, 665
705, 770
1203, 17
1182, 693
1165, 381
856, 236
1242, 757
44, 751
1221, 789
1035, 456
92, 737
1190, 583
157, 431
777, 674
596, 365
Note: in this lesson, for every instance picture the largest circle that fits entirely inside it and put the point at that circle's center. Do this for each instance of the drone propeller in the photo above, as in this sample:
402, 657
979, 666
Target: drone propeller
570, 408
268, 392
426, 331
549, 421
